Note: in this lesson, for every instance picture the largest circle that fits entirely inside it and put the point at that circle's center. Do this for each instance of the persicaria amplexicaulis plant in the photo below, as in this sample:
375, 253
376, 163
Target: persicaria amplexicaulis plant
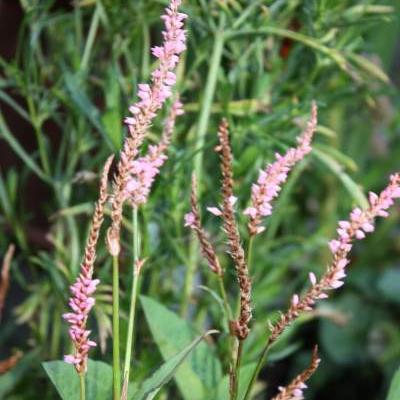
135, 172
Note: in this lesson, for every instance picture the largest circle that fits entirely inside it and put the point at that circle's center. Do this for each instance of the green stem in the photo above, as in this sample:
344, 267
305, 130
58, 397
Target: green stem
91, 36
116, 359
204, 118
229, 317
236, 371
222, 290
39, 136
235, 376
257, 370
250, 251
134, 294
82, 386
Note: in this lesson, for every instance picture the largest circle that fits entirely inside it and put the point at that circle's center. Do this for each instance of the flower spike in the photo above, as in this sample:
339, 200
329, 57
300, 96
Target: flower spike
192, 220
82, 290
294, 391
152, 98
360, 223
239, 328
274, 175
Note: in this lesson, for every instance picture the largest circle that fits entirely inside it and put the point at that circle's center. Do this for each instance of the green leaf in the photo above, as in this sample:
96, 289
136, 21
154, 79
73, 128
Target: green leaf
112, 117
65, 379
389, 285
245, 375
6, 134
394, 390
85, 106
352, 187
202, 370
152, 385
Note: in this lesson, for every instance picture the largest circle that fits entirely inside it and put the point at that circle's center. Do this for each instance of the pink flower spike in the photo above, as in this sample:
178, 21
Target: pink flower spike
275, 174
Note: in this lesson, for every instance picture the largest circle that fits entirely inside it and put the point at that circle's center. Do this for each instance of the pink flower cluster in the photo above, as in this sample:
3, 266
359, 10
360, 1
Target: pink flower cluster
271, 179
152, 97
190, 220
360, 223
145, 169
296, 393
81, 303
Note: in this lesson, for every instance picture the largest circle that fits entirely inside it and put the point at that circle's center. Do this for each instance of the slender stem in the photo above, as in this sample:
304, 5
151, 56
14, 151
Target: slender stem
116, 359
82, 386
91, 36
204, 118
134, 294
236, 371
257, 370
39, 136
229, 316
250, 251
227, 307
235, 377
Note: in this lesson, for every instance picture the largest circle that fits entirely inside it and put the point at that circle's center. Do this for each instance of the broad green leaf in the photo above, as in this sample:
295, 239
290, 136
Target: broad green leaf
152, 385
394, 390
202, 370
245, 375
66, 380
389, 285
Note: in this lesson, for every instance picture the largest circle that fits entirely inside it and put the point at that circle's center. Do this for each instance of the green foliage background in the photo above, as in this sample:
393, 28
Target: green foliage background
258, 63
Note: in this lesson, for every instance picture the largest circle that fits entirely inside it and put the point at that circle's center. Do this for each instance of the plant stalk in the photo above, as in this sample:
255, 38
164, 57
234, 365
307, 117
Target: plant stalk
91, 37
134, 294
204, 118
257, 370
82, 386
116, 359
236, 370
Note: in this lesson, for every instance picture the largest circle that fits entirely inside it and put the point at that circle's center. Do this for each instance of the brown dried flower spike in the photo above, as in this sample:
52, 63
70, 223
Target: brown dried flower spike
193, 220
239, 328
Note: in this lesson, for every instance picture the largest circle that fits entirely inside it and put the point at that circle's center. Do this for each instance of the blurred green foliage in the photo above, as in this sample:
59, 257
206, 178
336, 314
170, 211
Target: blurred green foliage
259, 63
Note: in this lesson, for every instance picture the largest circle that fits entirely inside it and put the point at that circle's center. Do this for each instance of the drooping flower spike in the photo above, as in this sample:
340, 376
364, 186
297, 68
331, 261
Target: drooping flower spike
270, 180
192, 220
152, 97
294, 391
82, 290
361, 222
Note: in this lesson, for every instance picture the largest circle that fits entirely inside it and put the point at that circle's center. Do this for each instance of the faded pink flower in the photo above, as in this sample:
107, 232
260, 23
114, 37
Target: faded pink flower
190, 220
361, 221
152, 97
144, 170
271, 179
